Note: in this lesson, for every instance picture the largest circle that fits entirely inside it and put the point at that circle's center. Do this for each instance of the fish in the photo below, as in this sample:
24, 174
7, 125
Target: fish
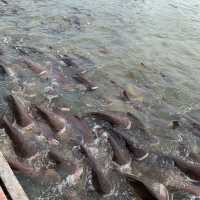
124, 95
24, 148
45, 130
82, 130
21, 114
184, 187
60, 160
35, 67
148, 189
114, 118
5, 70
56, 121
101, 179
4, 1
121, 153
28, 50
168, 178
48, 175
69, 61
82, 79
25, 169
137, 124
139, 153
190, 168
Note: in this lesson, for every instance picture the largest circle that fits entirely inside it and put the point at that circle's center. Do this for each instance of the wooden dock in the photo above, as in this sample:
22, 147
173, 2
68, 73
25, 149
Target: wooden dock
10, 188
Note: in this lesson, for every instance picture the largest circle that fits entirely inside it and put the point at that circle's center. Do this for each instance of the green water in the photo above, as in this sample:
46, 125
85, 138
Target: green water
151, 48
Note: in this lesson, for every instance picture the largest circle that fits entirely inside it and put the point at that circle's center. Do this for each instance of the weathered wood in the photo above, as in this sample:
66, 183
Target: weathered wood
10, 181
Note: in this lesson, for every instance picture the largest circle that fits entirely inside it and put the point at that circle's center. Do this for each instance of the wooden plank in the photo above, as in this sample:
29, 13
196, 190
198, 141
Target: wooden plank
2, 195
10, 181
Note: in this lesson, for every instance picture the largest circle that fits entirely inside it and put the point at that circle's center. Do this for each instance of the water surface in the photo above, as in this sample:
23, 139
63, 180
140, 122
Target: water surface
149, 47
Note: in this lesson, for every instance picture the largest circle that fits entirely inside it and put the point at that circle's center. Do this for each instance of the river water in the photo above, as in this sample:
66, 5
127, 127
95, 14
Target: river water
148, 47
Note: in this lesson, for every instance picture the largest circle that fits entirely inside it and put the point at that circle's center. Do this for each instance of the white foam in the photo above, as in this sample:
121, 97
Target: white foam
129, 125
74, 178
94, 87
143, 157
126, 167
43, 72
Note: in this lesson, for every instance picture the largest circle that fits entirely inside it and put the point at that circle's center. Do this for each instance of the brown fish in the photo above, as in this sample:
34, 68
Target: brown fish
82, 129
115, 119
138, 153
46, 130
48, 175
190, 168
16, 165
148, 189
82, 79
20, 112
100, 175
35, 67
56, 121
124, 95
121, 153
185, 187
23, 147
56, 156
137, 124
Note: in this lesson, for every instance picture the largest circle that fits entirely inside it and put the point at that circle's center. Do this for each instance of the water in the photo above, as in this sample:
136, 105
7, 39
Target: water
149, 47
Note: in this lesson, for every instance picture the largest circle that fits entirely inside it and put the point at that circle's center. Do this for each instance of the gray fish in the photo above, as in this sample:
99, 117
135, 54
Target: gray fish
28, 50
69, 61
4, 68
1, 52
4, 1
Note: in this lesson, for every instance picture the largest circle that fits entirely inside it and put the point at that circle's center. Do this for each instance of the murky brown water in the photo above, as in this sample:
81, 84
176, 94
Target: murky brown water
150, 48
